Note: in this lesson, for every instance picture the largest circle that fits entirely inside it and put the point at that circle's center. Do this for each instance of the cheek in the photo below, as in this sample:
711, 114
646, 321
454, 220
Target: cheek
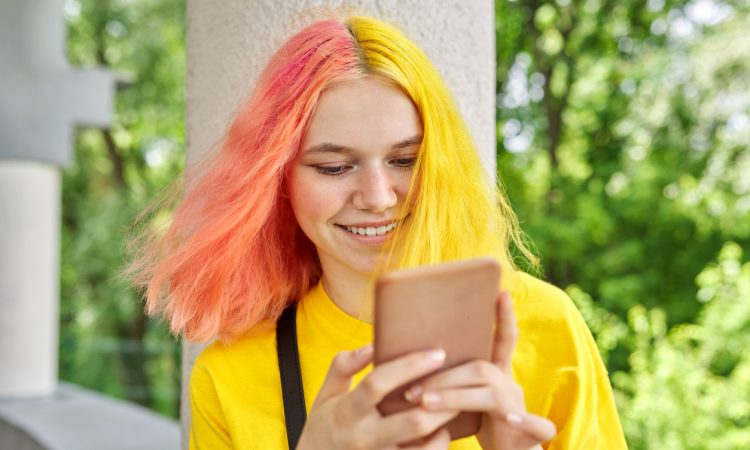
403, 185
313, 200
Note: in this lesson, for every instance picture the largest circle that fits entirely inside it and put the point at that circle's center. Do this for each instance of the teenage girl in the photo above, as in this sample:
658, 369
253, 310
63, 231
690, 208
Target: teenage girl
349, 159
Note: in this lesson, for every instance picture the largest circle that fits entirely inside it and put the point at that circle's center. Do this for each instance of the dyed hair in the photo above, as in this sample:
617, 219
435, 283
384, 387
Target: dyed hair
234, 255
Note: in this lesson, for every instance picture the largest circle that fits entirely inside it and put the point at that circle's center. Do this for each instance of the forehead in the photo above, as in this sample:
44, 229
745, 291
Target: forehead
364, 113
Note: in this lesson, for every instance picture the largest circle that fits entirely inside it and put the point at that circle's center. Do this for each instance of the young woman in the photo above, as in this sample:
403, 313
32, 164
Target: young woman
351, 159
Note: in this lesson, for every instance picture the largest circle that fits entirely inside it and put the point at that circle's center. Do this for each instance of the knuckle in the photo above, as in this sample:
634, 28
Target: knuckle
483, 370
497, 397
353, 444
355, 440
358, 444
512, 389
339, 361
338, 417
414, 363
441, 440
371, 387
418, 423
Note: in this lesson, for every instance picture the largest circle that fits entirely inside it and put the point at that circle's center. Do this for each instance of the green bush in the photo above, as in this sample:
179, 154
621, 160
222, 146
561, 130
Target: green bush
689, 387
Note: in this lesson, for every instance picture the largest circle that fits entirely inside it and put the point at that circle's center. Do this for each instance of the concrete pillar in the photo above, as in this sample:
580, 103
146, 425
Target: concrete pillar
42, 101
29, 270
229, 42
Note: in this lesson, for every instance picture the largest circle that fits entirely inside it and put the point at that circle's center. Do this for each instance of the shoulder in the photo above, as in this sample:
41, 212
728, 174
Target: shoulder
551, 328
549, 321
541, 301
224, 360
235, 393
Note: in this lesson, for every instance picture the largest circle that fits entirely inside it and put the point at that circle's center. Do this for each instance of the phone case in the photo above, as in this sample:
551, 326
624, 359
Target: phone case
451, 306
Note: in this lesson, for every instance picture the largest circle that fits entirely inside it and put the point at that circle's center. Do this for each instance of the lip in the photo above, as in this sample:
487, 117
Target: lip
382, 223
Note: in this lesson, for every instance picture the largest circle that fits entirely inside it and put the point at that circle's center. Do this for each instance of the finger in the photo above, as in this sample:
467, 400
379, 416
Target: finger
472, 373
483, 399
438, 441
391, 375
342, 369
535, 427
409, 425
506, 332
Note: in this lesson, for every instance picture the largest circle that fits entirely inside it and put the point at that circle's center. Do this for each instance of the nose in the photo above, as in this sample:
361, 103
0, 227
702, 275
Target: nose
376, 191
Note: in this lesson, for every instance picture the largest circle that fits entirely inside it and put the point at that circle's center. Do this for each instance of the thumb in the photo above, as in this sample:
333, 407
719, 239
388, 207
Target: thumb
344, 366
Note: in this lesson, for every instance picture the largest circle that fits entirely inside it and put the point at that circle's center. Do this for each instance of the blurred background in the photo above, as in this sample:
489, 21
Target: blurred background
623, 130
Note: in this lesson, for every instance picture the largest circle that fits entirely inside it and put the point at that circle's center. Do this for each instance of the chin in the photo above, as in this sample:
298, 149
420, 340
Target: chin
364, 266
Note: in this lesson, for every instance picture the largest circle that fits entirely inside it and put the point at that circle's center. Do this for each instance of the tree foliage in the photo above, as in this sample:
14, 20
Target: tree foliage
107, 342
688, 387
622, 141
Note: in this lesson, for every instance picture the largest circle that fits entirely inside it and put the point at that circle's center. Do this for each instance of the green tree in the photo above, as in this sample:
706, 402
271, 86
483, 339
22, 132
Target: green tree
622, 141
688, 387
618, 146
107, 342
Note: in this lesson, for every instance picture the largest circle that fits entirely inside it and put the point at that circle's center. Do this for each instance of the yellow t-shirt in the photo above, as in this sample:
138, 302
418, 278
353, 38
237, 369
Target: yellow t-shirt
235, 390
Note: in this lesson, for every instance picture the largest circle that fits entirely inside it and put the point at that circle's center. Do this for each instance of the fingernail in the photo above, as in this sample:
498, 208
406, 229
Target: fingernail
364, 351
513, 418
437, 355
430, 398
414, 393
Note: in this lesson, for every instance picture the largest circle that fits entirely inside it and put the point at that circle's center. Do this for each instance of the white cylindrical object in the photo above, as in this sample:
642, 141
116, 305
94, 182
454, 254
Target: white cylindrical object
29, 277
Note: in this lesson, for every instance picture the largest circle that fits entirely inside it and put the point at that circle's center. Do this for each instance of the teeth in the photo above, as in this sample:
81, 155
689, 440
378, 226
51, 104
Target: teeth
373, 231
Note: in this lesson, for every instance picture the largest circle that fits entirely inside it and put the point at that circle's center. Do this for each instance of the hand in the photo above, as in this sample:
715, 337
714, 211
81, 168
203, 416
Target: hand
343, 419
488, 387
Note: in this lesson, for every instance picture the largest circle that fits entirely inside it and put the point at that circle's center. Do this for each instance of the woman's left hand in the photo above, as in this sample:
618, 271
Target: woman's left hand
489, 387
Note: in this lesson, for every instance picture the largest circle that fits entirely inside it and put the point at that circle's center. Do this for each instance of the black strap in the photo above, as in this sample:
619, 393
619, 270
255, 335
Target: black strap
291, 376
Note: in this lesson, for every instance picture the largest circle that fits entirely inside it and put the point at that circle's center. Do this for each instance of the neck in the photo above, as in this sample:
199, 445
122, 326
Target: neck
351, 292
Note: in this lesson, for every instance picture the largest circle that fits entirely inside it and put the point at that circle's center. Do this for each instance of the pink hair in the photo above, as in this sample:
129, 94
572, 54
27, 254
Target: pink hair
233, 255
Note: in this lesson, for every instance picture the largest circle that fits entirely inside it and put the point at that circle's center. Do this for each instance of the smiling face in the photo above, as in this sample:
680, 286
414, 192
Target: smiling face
349, 182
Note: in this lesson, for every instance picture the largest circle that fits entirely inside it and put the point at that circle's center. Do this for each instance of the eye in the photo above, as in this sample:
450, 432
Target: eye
405, 162
331, 170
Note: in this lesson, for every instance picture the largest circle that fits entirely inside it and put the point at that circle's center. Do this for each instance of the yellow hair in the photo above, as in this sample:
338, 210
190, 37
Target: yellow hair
455, 210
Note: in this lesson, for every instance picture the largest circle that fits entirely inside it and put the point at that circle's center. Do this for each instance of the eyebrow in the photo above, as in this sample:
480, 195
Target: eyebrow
336, 148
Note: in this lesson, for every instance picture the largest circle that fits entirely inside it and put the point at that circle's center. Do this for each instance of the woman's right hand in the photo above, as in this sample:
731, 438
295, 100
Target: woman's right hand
343, 419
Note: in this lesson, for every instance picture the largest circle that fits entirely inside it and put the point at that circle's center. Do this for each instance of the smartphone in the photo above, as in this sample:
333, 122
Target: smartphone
450, 306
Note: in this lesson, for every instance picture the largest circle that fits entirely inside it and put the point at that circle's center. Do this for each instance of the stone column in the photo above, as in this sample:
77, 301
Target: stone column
42, 101
229, 42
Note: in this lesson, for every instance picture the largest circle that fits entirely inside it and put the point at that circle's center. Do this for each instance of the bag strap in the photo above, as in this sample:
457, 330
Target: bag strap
291, 376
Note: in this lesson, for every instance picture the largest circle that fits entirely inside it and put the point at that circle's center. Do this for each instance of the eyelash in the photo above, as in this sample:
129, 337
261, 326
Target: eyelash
334, 171
330, 171
410, 161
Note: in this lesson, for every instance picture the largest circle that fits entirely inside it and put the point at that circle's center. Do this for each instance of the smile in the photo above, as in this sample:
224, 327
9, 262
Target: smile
371, 231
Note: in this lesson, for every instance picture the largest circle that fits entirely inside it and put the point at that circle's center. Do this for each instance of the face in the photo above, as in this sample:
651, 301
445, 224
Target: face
353, 172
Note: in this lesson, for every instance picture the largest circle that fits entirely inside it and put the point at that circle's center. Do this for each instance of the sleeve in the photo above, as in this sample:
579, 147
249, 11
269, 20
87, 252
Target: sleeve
582, 403
208, 429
